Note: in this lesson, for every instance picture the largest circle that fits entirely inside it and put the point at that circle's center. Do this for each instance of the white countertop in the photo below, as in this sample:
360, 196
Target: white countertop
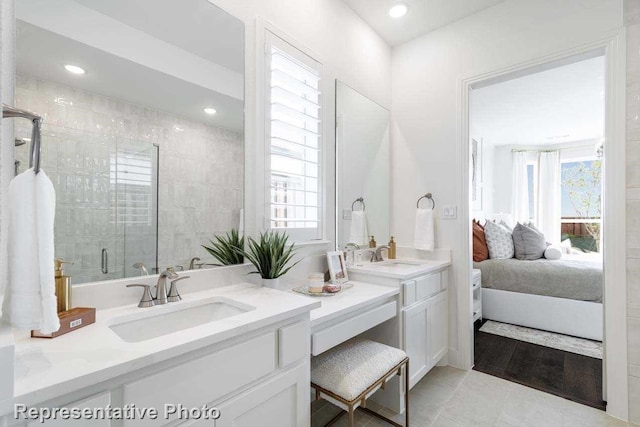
386, 269
47, 368
359, 296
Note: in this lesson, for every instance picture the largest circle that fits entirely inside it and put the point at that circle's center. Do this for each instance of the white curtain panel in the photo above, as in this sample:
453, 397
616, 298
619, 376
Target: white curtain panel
520, 195
549, 205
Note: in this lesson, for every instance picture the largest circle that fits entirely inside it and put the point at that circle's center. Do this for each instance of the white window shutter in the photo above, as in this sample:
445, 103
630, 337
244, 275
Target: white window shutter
294, 139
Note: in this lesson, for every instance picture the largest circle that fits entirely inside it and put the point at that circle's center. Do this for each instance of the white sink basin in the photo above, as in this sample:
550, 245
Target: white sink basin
162, 323
397, 264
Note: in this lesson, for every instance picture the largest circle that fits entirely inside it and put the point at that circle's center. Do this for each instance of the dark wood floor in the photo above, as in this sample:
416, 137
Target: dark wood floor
568, 375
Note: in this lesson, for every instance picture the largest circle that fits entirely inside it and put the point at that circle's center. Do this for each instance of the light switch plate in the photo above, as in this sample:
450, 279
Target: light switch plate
449, 212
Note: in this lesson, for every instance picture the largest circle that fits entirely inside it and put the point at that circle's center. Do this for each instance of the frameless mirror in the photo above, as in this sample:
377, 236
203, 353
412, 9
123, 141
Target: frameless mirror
363, 163
143, 106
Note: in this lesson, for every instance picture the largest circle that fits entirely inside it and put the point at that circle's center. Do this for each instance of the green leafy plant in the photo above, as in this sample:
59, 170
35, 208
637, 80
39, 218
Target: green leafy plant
271, 254
227, 249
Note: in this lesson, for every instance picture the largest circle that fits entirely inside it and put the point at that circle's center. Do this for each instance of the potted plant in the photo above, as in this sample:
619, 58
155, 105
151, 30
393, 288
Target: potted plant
228, 248
271, 256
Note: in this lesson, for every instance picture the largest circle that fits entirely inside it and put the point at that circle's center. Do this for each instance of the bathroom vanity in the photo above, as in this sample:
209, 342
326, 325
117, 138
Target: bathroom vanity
252, 364
421, 328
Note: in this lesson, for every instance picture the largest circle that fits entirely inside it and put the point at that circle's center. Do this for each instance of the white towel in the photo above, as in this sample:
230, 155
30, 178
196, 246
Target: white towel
424, 234
30, 300
359, 234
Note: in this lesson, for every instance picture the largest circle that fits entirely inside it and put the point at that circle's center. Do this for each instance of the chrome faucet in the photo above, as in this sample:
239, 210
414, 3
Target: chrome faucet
192, 263
377, 255
161, 286
142, 268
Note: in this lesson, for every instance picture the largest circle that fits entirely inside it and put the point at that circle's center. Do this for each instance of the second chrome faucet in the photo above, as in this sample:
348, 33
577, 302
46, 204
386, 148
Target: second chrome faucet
161, 297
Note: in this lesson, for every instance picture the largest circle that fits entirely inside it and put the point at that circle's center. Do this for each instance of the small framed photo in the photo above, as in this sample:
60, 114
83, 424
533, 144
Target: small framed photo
337, 267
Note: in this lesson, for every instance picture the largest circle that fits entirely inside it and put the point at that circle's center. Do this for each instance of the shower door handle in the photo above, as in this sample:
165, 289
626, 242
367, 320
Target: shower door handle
105, 261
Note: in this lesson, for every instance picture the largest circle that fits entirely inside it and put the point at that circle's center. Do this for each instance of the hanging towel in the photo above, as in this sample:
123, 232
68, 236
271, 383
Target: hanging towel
358, 233
30, 301
424, 234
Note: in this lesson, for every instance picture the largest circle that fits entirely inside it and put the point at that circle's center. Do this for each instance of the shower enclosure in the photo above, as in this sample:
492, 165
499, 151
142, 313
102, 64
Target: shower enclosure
106, 200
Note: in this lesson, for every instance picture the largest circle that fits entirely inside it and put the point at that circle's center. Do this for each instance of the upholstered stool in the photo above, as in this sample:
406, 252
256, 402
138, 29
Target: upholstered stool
351, 372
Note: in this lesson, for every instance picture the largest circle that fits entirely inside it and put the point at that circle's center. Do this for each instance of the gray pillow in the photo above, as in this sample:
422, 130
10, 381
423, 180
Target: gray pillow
499, 241
529, 243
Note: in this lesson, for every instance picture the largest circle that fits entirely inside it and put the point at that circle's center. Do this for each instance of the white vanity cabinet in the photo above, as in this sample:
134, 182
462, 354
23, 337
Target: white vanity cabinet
261, 378
425, 323
421, 327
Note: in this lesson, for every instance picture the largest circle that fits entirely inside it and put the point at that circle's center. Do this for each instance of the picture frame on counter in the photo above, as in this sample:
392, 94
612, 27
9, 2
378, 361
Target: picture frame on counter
337, 267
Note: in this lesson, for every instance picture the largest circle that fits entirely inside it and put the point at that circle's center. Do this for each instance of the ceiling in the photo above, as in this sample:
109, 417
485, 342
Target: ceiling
557, 106
423, 16
202, 64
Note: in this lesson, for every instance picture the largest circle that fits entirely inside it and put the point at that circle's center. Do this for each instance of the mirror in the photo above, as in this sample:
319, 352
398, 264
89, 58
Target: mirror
143, 128
363, 168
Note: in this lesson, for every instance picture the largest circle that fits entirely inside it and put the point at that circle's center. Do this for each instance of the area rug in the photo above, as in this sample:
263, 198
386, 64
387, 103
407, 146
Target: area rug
544, 338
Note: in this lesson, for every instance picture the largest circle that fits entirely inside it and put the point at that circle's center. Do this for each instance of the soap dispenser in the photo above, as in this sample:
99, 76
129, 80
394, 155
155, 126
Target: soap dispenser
372, 242
392, 248
63, 286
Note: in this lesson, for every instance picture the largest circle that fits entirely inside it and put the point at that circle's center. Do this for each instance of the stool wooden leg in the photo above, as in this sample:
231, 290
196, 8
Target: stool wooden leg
406, 394
352, 417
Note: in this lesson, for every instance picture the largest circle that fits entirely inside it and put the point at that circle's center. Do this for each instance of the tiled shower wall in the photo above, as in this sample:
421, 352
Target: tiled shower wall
632, 22
200, 177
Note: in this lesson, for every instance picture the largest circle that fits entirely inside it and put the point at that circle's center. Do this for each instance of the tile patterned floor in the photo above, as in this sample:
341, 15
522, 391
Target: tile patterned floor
449, 397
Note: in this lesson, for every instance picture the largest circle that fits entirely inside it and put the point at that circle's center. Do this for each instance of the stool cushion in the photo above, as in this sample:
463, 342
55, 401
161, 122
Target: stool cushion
348, 369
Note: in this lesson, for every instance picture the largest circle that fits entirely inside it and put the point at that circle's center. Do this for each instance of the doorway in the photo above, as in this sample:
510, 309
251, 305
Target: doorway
536, 184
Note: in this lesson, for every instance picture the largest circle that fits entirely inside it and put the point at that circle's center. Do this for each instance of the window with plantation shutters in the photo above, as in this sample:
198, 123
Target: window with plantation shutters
294, 140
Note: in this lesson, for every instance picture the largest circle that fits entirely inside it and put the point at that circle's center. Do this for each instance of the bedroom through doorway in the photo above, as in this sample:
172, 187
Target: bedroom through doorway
536, 166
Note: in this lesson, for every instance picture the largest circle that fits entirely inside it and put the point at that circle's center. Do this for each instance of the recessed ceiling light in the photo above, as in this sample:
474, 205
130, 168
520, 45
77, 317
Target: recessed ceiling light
74, 69
210, 111
399, 10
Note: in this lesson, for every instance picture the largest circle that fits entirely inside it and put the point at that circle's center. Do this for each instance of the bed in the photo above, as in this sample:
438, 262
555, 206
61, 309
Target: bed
563, 296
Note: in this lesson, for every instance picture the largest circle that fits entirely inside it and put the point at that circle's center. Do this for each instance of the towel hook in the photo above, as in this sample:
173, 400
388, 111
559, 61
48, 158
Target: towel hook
426, 196
360, 200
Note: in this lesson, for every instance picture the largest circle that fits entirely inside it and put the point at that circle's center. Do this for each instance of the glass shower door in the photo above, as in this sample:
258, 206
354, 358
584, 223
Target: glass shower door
106, 200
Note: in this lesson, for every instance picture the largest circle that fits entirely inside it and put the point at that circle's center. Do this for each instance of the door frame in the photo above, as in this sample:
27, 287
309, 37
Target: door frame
613, 47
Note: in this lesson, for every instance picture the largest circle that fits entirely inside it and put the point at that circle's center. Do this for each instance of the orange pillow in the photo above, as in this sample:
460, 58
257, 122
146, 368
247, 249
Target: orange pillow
480, 249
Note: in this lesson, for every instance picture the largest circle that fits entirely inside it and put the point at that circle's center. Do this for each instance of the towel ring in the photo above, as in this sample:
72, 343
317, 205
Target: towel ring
361, 200
426, 196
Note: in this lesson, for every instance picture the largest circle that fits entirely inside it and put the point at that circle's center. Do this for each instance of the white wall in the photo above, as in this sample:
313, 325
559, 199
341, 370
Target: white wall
632, 19
348, 49
427, 76
7, 75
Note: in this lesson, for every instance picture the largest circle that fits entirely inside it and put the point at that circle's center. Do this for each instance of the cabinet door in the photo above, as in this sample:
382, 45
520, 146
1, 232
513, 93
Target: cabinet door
282, 401
416, 339
98, 401
437, 328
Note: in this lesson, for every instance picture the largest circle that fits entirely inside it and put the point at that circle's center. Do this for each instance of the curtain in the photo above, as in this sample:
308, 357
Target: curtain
548, 217
520, 192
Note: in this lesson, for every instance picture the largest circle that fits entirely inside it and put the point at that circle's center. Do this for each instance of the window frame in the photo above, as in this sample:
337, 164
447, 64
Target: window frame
579, 159
299, 234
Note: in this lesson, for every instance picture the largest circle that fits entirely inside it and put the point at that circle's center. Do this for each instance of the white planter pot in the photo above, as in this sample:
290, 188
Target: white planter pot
271, 283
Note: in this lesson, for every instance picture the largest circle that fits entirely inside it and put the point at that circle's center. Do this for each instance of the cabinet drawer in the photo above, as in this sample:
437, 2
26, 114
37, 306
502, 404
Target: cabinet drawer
340, 332
428, 285
409, 292
203, 380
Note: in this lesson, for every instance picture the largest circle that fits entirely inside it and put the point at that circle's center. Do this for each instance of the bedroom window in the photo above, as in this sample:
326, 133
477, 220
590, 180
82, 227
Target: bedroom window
294, 140
581, 182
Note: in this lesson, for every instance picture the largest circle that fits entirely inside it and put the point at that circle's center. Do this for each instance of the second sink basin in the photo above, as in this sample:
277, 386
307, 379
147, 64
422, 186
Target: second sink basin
164, 323
398, 264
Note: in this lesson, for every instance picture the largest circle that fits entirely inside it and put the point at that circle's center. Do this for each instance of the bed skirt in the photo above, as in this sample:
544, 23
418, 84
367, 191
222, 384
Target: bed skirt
565, 316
